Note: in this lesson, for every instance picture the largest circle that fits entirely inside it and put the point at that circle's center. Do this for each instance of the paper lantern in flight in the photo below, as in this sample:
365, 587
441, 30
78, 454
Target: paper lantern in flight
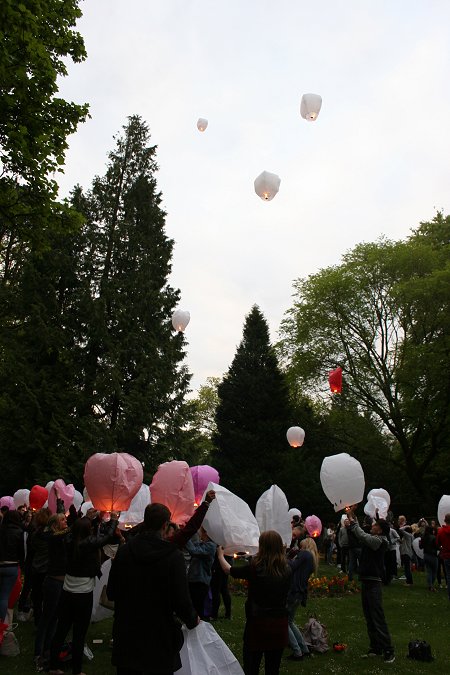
313, 526
21, 497
202, 124
38, 497
272, 513
267, 185
342, 480
230, 522
295, 436
201, 476
65, 493
443, 508
310, 106
180, 319
172, 486
112, 480
335, 380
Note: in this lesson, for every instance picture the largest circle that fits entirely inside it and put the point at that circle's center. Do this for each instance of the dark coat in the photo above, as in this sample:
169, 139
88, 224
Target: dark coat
148, 584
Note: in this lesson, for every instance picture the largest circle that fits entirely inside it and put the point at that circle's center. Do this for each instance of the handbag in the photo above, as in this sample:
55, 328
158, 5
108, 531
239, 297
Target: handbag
10, 644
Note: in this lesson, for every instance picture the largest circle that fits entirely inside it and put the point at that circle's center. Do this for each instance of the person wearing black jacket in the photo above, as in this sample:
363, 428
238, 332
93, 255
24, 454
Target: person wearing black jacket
75, 608
149, 587
12, 554
371, 571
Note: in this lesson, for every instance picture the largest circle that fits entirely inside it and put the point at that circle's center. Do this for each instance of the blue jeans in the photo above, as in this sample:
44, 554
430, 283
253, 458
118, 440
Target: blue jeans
431, 566
8, 577
296, 640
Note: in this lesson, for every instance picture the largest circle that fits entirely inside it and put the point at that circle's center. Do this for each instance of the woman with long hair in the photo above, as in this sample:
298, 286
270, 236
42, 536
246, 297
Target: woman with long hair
269, 580
304, 564
75, 607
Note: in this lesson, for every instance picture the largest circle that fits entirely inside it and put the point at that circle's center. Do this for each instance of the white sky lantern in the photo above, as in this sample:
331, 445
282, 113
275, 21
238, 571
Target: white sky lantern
295, 436
310, 106
342, 480
180, 319
272, 513
202, 124
380, 493
375, 504
267, 185
443, 508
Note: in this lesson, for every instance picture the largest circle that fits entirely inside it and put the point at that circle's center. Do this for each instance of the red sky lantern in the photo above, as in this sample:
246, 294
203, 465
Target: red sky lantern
335, 380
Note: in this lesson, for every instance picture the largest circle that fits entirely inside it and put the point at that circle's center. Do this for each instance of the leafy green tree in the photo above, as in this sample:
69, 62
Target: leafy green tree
253, 415
383, 315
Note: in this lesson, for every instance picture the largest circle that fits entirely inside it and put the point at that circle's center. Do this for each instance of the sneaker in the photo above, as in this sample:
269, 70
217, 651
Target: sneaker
389, 657
402, 578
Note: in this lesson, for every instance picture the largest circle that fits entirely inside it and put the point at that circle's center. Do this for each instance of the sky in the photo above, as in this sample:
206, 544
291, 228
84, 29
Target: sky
375, 163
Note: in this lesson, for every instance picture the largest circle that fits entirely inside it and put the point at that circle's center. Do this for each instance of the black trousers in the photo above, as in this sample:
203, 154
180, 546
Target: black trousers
74, 611
372, 603
252, 661
198, 593
219, 587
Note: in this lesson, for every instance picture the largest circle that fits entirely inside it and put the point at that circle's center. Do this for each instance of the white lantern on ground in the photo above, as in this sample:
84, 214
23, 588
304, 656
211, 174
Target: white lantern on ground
180, 319
443, 508
202, 124
267, 185
342, 480
272, 513
230, 522
295, 436
310, 106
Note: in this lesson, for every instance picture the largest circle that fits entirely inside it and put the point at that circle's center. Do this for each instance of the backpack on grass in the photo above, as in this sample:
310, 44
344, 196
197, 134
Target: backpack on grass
316, 635
419, 650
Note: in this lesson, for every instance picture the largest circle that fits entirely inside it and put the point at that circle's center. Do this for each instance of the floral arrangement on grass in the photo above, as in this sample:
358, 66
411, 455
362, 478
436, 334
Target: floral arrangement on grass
337, 585
238, 586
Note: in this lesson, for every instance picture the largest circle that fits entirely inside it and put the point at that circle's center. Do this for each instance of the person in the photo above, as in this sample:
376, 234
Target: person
298, 533
343, 547
428, 544
75, 607
329, 543
37, 548
269, 581
12, 554
371, 571
149, 587
390, 558
305, 564
219, 587
443, 542
406, 551
199, 573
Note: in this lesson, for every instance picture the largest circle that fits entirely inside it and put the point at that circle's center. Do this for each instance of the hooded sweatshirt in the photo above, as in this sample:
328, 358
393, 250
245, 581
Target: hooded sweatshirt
443, 540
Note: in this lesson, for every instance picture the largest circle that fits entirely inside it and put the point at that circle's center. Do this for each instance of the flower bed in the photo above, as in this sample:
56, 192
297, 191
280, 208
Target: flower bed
337, 585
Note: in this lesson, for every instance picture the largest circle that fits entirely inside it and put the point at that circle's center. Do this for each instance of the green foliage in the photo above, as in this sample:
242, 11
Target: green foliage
383, 315
253, 415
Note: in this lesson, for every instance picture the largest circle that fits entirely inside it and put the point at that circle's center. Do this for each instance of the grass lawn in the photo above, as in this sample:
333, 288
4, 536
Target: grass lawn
412, 613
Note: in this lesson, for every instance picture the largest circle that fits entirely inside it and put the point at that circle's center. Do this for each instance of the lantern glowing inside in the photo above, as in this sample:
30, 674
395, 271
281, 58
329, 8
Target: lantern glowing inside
38, 497
267, 185
335, 380
65, 493
202, 124
112, 480
342, 480
313, 525
295, 436
172, 486
201, 476
180, 320
310, 106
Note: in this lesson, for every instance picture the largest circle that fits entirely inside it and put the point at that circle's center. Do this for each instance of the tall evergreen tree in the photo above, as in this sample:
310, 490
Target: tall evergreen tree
253, 415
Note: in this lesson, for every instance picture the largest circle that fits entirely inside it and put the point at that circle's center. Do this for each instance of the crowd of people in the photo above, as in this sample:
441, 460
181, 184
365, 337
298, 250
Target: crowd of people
163, 576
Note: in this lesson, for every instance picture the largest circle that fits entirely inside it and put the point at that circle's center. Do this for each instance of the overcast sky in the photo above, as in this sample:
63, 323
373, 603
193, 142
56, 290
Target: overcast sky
376, 162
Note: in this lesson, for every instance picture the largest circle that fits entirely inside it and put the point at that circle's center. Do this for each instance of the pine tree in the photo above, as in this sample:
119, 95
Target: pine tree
253, 415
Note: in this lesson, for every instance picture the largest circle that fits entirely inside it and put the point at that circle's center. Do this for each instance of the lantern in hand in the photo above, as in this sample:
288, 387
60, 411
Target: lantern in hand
342, 480
172, 486
112, 480
201, 476
38, 497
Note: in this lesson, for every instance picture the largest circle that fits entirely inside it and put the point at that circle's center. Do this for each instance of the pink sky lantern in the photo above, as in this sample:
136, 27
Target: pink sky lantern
172, 486
313, 526
9, 502
65, 492
112, 480
335, 380
201, 476
38, 497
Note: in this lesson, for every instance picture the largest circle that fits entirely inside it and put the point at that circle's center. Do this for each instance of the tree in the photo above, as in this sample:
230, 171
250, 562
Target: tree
383, 315
131, 379
252, 416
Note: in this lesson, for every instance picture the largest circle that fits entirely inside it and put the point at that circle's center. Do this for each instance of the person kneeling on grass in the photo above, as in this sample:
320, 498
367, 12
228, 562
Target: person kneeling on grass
374, 546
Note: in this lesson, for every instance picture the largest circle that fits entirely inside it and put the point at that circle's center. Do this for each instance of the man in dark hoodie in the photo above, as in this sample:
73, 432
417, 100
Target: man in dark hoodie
148, 584
443, 542
371, 570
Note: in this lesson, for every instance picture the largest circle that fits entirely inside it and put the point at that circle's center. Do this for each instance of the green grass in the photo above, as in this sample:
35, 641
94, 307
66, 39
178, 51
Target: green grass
412, 613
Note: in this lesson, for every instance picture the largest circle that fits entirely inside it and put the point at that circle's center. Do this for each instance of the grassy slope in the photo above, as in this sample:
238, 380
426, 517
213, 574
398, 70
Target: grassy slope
412, 613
